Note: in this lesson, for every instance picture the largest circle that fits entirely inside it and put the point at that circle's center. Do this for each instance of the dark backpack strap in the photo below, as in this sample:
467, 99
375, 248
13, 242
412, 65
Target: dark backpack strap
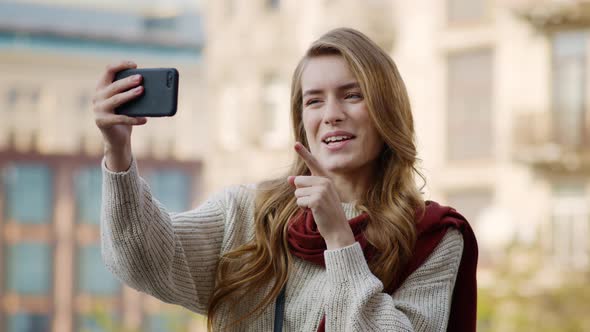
280, 311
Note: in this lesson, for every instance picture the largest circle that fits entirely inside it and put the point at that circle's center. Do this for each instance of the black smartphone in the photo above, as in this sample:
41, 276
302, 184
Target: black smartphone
160, 92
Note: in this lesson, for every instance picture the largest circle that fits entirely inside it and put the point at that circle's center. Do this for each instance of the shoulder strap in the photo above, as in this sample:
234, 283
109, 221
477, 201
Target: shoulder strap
280, 311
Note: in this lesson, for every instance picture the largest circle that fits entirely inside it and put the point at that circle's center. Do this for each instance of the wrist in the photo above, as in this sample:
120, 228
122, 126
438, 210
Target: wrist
118, 159
340, 239
116, 149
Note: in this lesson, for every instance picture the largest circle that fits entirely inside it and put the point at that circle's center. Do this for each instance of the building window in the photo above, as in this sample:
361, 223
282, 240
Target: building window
84, 102
275, 113
230, 8
167, 321
229, 117
98, 321
29, 268
88, 184
570, 72
93, 277
27, 97
570, 225
28, 322
29, 194
11, 97
172, 188
469, 105
470, 203
157, 323
160, 23
34, 96
466, 10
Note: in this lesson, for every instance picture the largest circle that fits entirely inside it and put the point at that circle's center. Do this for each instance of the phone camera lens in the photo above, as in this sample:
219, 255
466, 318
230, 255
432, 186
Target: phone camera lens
169, 79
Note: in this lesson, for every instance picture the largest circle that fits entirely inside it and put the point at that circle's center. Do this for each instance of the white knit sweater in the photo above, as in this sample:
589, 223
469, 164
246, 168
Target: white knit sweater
173, 256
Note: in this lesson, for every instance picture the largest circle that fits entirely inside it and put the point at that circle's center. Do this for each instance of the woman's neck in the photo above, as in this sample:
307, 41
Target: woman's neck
350, 187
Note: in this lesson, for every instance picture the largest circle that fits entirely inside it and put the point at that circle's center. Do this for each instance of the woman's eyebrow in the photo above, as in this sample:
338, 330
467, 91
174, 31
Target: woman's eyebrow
312, 92
347, 86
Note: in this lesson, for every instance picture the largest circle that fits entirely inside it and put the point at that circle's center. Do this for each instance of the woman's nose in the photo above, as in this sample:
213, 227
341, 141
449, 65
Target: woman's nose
334, 111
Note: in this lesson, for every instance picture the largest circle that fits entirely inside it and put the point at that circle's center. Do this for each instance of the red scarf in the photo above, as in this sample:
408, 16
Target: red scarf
306, 243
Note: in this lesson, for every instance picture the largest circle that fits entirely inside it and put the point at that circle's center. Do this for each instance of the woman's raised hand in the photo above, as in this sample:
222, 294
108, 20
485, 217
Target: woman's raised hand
317, 192
116, 129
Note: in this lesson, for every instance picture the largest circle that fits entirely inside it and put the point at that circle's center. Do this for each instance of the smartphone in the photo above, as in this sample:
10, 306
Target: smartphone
160, 93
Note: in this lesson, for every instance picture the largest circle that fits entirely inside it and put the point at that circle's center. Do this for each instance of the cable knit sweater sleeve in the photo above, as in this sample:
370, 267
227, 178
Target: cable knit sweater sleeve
422, 303
171, 256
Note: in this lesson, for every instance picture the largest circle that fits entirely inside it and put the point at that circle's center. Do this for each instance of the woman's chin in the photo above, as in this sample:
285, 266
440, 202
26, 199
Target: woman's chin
339, 166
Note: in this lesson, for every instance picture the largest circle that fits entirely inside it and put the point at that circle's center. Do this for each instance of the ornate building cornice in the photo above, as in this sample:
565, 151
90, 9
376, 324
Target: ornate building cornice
551, 14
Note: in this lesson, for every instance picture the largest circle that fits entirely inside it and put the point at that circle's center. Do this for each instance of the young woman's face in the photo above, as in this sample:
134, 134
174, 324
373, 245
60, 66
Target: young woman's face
337, 125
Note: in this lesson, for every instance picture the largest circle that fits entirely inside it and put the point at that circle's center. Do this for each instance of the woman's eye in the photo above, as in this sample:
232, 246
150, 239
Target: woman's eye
311, 102
354, 95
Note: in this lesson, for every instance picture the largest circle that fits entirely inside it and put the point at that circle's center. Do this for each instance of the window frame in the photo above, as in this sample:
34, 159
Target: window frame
51, 271
66, 164
556, 119
454, 21
452, 154
52, 184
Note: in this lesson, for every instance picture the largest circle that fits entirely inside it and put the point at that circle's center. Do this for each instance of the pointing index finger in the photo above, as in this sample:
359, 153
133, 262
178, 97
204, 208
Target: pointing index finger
312, 163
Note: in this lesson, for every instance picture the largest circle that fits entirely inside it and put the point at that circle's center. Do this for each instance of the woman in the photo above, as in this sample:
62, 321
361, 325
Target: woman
345, 242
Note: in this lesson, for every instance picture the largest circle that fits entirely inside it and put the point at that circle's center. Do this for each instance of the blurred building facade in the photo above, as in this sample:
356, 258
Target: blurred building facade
52, 277
499, 91
252, 50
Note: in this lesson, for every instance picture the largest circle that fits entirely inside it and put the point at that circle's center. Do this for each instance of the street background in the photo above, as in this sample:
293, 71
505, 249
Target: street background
500, 91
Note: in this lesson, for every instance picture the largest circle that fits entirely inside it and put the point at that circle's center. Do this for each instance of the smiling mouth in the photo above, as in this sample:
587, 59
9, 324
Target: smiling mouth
334, 140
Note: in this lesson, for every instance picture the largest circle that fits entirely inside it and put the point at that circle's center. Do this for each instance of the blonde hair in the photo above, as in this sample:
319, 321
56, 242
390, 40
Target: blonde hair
391, 201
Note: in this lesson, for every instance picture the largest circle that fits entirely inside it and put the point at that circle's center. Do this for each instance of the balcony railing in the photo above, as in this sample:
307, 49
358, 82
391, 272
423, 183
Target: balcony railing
546, 140
569, 232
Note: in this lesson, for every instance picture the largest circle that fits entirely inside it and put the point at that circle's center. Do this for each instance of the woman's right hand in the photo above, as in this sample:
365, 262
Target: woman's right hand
115, 128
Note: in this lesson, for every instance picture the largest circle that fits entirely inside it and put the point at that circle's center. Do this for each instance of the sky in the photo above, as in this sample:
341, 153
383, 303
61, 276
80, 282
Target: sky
122, 5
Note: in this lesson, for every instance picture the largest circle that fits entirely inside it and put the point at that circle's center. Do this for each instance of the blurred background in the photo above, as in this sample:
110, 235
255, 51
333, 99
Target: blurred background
499, 88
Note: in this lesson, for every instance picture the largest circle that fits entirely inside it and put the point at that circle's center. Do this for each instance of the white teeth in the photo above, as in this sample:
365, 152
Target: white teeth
336, 138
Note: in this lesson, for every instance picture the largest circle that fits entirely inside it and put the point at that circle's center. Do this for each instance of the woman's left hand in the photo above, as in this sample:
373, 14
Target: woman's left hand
318, 193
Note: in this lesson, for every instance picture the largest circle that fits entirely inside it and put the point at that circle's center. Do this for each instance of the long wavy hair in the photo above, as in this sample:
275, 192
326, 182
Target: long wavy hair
391, 201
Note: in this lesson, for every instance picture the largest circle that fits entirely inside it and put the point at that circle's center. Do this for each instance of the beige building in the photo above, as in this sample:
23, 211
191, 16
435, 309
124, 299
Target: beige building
498, 88
52, 276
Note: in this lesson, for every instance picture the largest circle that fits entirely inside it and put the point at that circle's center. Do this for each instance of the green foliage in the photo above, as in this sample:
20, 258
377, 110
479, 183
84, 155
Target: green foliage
105, 322
175, 320
517, 302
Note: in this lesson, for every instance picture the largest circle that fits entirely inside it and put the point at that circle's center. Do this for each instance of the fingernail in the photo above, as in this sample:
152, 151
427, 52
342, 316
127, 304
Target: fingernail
137, 89
136, 77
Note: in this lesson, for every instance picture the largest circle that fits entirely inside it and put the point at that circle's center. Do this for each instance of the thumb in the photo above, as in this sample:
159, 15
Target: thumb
291, 180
